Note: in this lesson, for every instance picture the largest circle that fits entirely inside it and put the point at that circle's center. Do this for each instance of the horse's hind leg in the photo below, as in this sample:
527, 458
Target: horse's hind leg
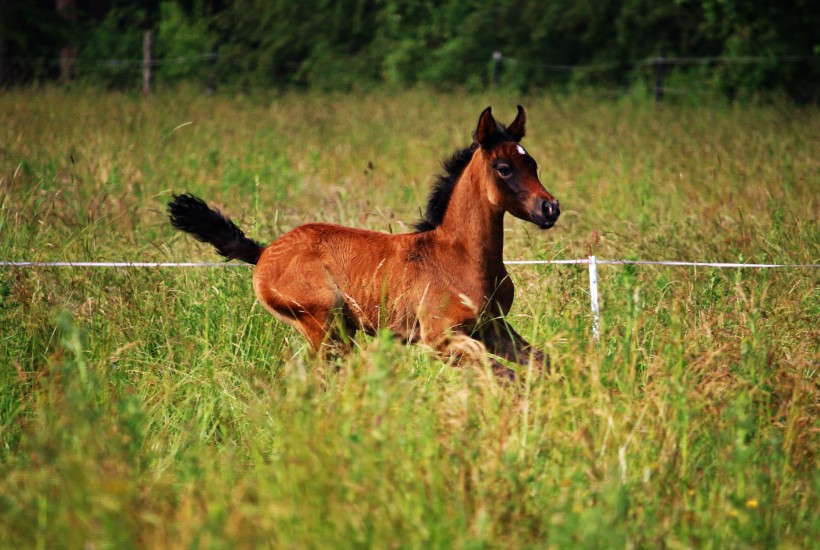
308, 301
308, 316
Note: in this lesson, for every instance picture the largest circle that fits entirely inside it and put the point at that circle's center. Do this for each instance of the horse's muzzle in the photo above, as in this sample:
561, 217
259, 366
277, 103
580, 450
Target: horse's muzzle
546, 218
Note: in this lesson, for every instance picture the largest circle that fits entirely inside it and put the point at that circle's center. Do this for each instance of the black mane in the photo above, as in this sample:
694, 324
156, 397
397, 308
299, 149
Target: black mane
443, 188
445, 183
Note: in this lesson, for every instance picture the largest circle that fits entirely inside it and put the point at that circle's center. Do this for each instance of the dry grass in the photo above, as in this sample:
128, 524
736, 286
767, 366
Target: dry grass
157, 408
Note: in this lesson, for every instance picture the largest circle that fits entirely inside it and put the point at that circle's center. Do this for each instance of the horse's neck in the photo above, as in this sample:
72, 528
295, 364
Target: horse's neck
474, 226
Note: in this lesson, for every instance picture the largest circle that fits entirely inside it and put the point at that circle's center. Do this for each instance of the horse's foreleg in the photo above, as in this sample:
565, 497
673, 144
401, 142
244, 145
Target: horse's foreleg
448, 337
462, 349
501, 339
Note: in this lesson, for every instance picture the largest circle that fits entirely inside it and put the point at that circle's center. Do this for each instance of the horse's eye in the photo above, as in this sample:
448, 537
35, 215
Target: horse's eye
504, 170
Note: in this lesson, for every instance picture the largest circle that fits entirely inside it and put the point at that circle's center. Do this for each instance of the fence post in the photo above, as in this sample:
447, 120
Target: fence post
212, 76
593, 297
497, 59
147, 61
659, 74
68, 53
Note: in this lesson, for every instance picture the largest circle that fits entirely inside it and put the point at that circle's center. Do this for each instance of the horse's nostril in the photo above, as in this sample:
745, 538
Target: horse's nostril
551, 209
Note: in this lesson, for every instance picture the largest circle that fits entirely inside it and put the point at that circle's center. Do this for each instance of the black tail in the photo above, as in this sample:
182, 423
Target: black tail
193, 216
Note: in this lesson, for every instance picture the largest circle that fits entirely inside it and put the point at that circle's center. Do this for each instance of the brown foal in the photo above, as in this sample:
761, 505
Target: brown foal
444, 285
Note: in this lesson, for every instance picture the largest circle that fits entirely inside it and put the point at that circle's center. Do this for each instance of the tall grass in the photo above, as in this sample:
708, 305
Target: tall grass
164, 408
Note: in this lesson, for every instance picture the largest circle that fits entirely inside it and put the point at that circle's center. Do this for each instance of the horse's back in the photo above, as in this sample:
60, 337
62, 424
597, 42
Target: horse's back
331, 243
338, 266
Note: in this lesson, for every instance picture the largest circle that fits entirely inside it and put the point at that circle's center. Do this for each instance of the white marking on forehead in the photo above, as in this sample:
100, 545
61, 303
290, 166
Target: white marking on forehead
521, 150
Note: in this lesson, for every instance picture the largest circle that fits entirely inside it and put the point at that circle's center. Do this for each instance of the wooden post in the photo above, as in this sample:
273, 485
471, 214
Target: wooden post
497, 59
68, 53
3, 15
659, 74
3, 78
212, 76
147, 62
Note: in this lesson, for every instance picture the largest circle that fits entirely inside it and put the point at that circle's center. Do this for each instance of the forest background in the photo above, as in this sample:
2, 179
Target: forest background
752, 48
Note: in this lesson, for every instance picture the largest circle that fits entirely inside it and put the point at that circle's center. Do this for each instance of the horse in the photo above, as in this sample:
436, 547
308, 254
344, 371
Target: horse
443, 285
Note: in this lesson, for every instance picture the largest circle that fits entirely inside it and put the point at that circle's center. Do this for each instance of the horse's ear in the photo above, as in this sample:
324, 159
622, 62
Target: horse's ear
486, 127
517, 129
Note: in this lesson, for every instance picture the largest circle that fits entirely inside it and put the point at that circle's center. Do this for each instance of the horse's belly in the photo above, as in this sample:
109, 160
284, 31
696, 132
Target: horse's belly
374, 311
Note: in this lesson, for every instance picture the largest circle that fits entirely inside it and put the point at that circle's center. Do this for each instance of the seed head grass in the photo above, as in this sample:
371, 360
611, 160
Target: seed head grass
165, 408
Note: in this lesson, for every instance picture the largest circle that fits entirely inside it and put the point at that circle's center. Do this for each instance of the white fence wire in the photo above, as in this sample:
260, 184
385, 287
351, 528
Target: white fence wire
592, 262
581, 261
213, 57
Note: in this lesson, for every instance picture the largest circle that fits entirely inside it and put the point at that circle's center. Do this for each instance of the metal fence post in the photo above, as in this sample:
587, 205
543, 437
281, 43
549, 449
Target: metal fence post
593, 297
497, 59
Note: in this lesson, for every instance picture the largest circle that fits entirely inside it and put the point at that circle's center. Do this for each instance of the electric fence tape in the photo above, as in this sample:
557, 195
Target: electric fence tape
592, 262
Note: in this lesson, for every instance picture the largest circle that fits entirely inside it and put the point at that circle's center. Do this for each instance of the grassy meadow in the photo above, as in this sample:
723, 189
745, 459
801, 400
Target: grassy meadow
164, 408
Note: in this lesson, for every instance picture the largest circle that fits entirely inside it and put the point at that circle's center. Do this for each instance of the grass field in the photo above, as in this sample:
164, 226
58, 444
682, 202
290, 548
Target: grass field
164, 408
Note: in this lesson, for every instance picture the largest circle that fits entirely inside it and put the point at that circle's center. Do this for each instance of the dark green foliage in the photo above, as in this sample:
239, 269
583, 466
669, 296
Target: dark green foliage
351, 44
282, 42
30, 38
110, 54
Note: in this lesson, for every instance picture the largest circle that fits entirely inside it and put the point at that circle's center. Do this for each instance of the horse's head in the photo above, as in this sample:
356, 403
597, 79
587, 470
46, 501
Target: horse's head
511, 174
